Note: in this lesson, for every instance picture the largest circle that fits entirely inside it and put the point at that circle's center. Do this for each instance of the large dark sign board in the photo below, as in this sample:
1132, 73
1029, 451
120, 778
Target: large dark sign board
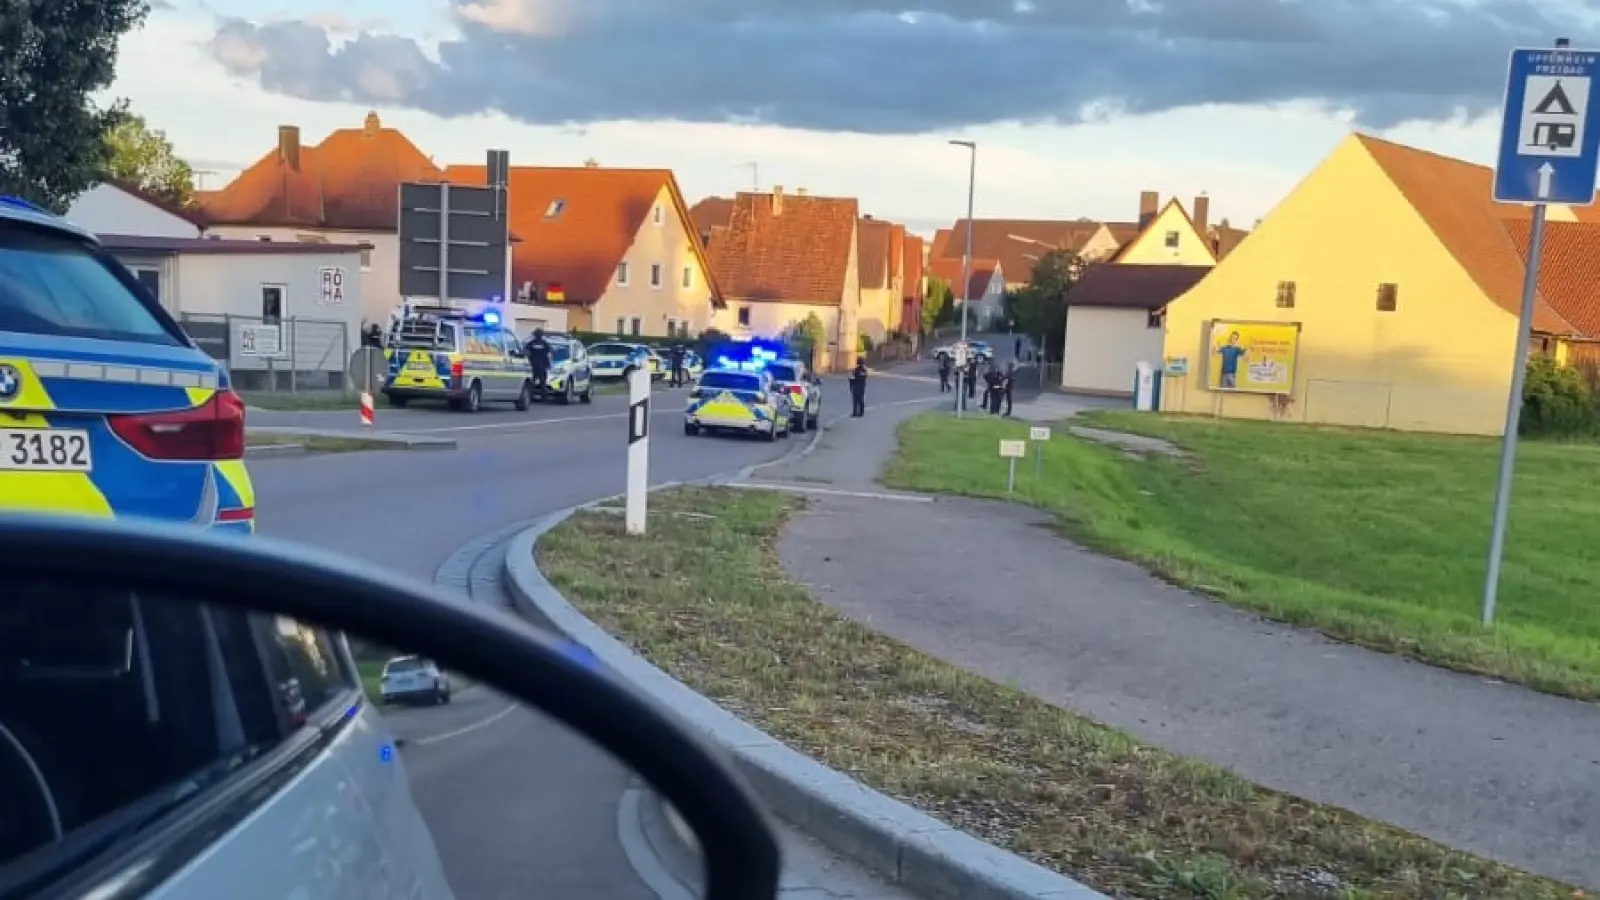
453, 238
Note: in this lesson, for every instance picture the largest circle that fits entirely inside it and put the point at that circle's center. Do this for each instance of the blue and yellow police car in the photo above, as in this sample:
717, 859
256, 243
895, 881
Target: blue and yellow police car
739, 401
106, 407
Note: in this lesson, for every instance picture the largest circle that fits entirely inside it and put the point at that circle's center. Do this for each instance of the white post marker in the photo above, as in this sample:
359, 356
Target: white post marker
1011, 451
1038, 434
638, 449
1548, 154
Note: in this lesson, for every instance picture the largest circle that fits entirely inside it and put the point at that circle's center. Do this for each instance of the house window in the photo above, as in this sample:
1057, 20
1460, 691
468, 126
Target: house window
556, 207
633, 326
744, 317
655, 275
264, 238
311, 238
1156, 319
1285, 295
622, 327
271, 304
366, 259
678, 328
622, 274
688, 276
1388, 297
151, 279
1172, 240
656, 215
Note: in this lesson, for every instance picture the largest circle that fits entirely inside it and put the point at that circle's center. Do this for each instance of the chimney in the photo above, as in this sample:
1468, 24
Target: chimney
371, 126
591, 163
289, 145
1149, 203
777, 199
1202, 214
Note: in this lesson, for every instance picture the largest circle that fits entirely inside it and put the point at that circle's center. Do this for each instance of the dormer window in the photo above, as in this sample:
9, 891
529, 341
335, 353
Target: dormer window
556, 207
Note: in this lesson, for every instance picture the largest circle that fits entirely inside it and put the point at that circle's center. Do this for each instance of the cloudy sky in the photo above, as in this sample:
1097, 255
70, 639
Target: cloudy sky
1077, 105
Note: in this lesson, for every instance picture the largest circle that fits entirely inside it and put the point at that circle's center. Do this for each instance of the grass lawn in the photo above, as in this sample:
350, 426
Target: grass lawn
1373, 537
703, 596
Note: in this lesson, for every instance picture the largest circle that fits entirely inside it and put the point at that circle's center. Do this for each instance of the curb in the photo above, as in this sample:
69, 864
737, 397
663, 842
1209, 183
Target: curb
273, 451
909, 847
384, 439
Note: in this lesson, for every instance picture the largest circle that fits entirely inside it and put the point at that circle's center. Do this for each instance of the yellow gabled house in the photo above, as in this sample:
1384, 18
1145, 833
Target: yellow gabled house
1382, 292
1170, 239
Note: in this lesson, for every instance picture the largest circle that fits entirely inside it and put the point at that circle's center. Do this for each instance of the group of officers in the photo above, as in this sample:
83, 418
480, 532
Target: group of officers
997, 383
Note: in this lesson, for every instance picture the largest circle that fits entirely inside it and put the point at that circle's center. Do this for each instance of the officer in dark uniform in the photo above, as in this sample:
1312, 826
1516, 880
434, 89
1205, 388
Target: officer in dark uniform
944, 374
972, 376
1007, 383
538, 351
858, 390
675, 357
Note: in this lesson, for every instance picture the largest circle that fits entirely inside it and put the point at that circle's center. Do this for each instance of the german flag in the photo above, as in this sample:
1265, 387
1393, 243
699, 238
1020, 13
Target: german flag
554, 292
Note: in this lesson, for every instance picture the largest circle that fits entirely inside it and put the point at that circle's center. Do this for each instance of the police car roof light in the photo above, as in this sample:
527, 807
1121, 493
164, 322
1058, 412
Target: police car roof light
490, 318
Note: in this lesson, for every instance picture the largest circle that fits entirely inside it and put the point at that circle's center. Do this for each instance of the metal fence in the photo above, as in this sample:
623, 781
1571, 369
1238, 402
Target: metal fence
295, 354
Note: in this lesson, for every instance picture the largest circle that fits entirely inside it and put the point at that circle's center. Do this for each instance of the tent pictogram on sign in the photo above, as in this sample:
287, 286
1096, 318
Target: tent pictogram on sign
1553, 115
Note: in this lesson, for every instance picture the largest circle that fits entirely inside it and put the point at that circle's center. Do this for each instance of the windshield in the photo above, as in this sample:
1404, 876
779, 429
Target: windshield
730, 381
611, 350
407, 664
55, 286
783, 373
560, 352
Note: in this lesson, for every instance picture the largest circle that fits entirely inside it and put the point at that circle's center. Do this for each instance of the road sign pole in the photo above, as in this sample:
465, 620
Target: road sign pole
1038, 460
1508, 444
444, 244
1011, 479
638, 449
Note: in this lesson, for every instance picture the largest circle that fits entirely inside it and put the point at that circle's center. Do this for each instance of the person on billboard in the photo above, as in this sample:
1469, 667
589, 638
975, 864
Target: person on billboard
1230, 355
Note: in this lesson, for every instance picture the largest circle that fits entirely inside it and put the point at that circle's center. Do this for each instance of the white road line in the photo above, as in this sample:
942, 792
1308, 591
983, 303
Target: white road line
531, 424
475, 726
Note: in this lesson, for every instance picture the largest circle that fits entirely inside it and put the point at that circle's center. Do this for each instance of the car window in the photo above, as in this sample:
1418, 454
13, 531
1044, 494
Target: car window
730, 381
560, 351
610, 350
405, 664
783, 373
309, 660
58, 286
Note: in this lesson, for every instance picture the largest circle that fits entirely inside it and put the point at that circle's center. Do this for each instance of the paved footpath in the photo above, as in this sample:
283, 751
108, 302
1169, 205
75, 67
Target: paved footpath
1484, 766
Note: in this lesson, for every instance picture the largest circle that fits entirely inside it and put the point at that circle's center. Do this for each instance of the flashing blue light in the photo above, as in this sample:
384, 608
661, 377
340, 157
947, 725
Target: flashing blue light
581, 655
386, 753
491, 318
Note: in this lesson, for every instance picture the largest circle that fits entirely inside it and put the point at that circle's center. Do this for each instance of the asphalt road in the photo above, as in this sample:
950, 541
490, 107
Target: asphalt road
518, 807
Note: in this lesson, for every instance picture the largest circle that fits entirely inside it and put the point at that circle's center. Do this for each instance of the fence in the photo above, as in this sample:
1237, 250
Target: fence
296, 354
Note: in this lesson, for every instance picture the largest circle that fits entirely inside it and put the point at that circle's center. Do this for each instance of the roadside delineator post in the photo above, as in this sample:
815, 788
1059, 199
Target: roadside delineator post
638, 451
367, 414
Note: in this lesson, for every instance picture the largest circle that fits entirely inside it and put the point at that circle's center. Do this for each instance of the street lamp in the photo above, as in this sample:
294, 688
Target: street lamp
966, 262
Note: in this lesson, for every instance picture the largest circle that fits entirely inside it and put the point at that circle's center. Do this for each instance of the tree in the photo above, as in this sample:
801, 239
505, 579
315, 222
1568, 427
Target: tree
146, 158
52, 135
936, 298
1039, 308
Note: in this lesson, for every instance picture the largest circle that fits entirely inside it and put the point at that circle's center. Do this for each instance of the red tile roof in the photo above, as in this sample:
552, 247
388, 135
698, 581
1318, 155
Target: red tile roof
710, 212
798, 252
1453, 197
1569, 270
350, 181
982, 272
998, 239
1136, 287
580, 246
914, 267
872, 253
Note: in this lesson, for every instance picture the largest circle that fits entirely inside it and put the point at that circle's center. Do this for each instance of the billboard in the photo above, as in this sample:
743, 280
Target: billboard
454, 238
1251, 357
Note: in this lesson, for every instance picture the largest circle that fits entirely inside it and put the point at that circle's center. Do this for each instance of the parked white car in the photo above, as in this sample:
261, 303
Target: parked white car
412, 679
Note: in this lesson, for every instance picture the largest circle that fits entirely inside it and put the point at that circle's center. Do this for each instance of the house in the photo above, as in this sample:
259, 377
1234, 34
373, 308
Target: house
985, 287
879, 248
1384, 292
1168, 235
1016, 244
710, 213
613, 250
222, 291
1569, 280
784, 257
913, 283
1115, 316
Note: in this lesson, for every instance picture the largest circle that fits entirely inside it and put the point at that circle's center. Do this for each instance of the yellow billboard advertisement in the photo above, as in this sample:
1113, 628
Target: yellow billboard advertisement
1252, 357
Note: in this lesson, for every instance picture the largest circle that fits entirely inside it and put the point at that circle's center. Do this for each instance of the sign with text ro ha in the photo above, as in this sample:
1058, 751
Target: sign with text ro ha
1251, 357
1548, 150
1013, 449
332, 286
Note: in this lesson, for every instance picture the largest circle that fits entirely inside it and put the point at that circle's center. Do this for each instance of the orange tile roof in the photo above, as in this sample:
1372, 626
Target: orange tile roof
1453, 197
914, 267
1224, 238
710, 212
981, 273
941, 244
798, 253
350, 181
1569, 269
992, 239
897, 252
872, 253
601, 212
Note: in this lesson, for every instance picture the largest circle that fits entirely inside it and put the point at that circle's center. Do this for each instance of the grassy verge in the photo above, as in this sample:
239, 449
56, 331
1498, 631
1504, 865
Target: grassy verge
704, 597
371, 672
1377, 538
317, 444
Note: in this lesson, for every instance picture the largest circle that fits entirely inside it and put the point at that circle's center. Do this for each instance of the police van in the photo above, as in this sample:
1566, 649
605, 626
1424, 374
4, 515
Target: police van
462, 359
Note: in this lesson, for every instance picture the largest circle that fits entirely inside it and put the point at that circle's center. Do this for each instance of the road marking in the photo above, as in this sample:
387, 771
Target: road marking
468, 729
531, 424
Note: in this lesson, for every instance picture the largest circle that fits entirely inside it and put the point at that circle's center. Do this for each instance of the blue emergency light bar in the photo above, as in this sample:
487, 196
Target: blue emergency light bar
749, 356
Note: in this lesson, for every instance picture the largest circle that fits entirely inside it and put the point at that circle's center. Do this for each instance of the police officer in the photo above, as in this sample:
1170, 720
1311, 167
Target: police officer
675, 356
538, 351
944, 374
971, 377
991, 390
858, 390
1007, 382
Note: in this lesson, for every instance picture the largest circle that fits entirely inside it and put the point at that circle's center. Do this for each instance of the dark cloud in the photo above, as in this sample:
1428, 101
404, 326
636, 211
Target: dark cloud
874, 66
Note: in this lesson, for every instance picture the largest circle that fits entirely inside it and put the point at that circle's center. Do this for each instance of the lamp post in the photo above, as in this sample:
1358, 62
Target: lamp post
966, 263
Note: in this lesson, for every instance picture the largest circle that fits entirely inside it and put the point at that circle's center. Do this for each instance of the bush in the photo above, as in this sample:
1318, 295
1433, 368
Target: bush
1557, 401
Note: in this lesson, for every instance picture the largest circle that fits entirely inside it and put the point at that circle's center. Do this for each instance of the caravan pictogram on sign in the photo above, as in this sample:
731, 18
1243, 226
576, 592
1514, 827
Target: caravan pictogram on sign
1553, 113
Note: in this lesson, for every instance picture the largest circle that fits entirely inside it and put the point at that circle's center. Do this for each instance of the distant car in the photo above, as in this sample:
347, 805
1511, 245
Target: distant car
978, 349
738, 401
617, 359
412, 679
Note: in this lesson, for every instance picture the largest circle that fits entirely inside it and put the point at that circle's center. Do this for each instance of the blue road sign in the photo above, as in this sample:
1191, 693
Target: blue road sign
1549, 153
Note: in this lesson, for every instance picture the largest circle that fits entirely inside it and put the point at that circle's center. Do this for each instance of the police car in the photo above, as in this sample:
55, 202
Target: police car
460, 358
617, 359
738, 401
792, 377
106, 407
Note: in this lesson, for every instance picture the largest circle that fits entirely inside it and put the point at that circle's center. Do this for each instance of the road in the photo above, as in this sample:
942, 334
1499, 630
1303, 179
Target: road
518, 807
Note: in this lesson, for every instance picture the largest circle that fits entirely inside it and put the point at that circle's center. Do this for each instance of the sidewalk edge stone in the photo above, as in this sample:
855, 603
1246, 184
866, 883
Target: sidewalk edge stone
903, 844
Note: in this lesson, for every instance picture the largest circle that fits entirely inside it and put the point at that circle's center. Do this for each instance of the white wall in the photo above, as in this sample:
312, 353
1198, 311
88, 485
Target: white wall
380, 277
1104, 344
107, 209
230, 284
769, 319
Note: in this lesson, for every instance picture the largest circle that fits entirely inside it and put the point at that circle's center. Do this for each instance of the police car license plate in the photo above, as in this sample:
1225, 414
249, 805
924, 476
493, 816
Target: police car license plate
419, 365
45, 450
